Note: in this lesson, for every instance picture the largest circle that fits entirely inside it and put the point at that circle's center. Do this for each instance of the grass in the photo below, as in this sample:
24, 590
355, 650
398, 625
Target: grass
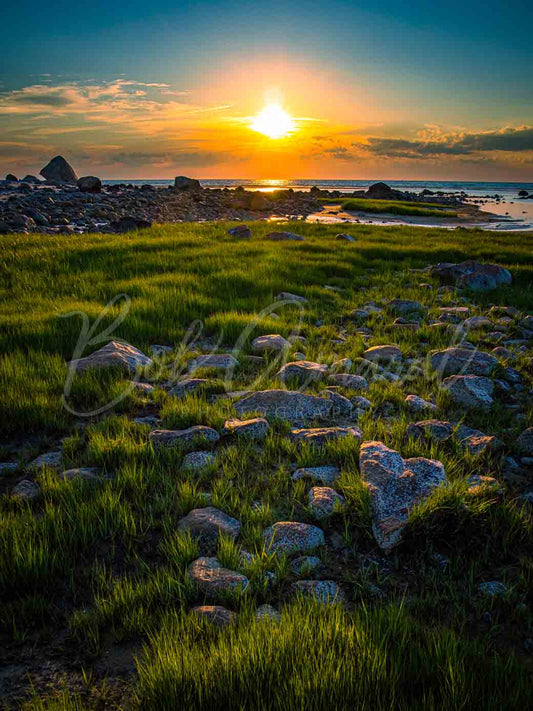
91, 570
393, 207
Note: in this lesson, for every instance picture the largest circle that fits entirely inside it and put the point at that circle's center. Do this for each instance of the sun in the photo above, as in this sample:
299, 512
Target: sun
273, 121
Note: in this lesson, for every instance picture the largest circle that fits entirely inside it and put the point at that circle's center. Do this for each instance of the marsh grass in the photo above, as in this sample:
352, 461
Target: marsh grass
392, 207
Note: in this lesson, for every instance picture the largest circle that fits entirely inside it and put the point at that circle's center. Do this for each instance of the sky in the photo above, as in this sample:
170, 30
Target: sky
405, 90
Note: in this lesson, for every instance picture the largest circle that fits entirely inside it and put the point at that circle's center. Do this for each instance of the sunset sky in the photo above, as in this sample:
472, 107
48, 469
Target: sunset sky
131, 89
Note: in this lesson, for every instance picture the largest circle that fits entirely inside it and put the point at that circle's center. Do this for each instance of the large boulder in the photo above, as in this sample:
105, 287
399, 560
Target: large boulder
114, 353
464, 361
382, 191
90, 184
59, 171
396, 485
472, 275
187, 184
287, 405
10, 178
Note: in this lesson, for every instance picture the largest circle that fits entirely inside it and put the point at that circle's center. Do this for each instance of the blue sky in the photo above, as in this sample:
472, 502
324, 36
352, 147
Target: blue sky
407, 66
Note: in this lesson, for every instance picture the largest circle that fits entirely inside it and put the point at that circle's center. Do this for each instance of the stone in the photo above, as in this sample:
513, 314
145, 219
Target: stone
254, 429
464, 361
90, 184
142, 388
219, 361
7, 468
209, 523
273, 343
493, 588
83, 473
198, 460
470, 391
291, 537
287, 296
477, 482
305, 565
195, 434
150, 421
454, 313
31, 180
50, 460
383, 354
213, 580
341, 405
292, 406
215, 614
524, 443
345, 238
351, 382
382, 191
404, 306
27, 490
187, 386
472, 275
325, 474
362, 403
319, 436
240, 231
502, 353
284, 237
187, 184
396, 485
418, 404
325, 592
342, 365
477, 323
129, 224
59, 171
10, 178
114, 354
159, 350
303, 371
267, 613
324, 501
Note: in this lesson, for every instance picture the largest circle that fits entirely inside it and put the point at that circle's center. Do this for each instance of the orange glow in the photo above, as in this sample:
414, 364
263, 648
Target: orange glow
273, 121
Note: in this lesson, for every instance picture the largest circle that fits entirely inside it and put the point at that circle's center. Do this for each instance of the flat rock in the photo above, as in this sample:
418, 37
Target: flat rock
351, 382
472, 275
396, 485
404, 306
27, 490
320, 435
50, 460
198, 460
463, 361
284, 237
383, 354
292, 406
254, 429
470, 391
287, 296
325, 592
303, 371
170, 438
84, 473
190, 385
291, 537
324, 501
454, 313
219, 361
209, 523
272, 343
418, 404
215, 614
326, 475
477, 323
115, 354
213, 580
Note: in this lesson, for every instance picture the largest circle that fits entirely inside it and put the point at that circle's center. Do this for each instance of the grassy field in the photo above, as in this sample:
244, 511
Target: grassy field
392, 207
95, 595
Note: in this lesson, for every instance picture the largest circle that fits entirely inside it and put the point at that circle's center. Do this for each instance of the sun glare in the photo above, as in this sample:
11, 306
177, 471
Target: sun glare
273, 122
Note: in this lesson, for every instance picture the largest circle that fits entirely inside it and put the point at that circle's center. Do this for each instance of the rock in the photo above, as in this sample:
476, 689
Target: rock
493, 588
345, 238
291, 537
454, 313
8, 468
305, 565
271, 343
524, 443
287, 296
472, 275
287, 405
190, 385
454, 361
341, 405
344, 364
196, 434
472, 391
396, 485
404, 306
27, 490
351, 382
128, 224
325, 474
324, 501
382, 191
84, 473
240, 231
303, 371
31, 180
284, 237
383, 354
255, 429
215, 614
50, 460
219, 361
502, 353
142, 388
267, 613
213, 580
159, 350
59, 171
150, 421
10, 178
187, 184
477, 482
90, 184
418, 404
523, 193
325, 592
477, 323
116, 354
470, 439
198, 460
362, 403
209, 523
318, 436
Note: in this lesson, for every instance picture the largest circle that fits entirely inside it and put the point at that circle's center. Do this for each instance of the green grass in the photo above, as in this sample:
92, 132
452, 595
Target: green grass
91, 569
393, 207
